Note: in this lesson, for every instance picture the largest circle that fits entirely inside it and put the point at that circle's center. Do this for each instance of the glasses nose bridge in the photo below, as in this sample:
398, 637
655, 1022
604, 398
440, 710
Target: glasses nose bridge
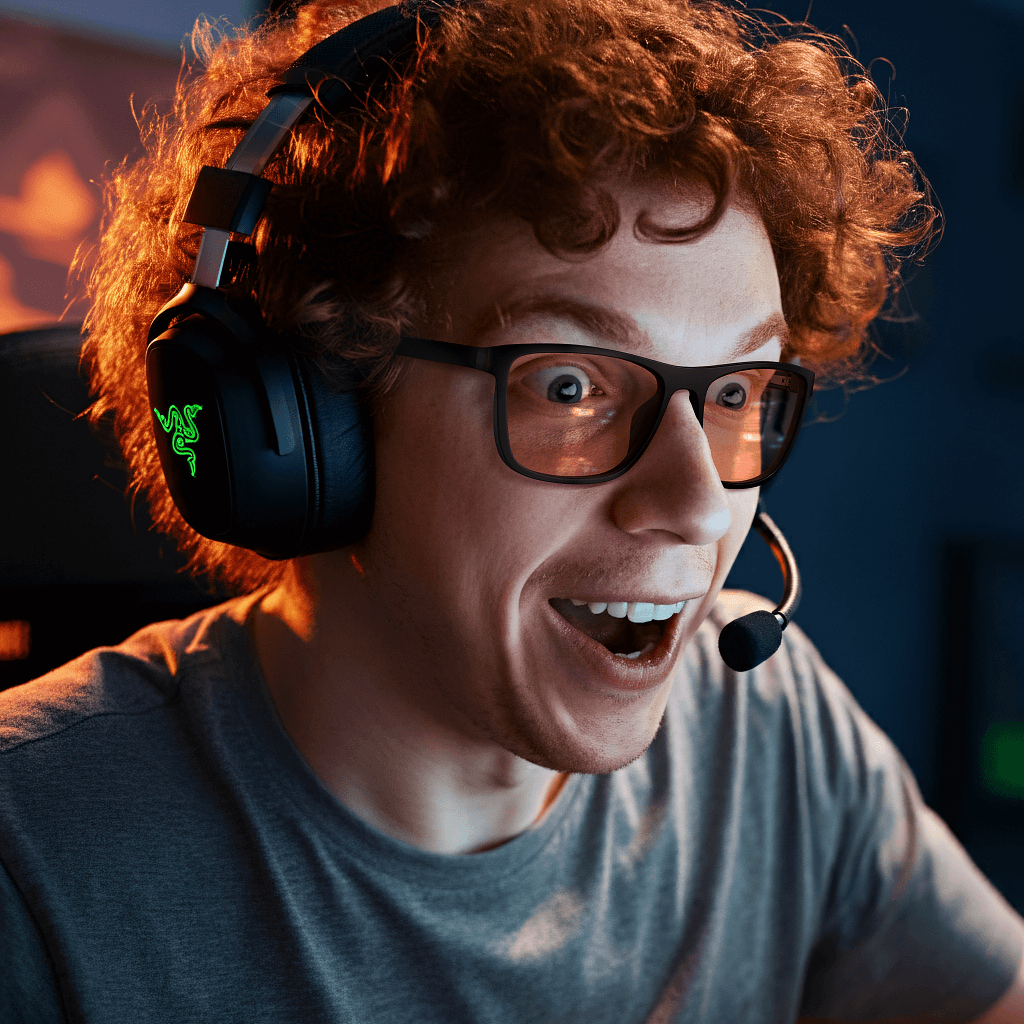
670, 385
683, 378
648, 419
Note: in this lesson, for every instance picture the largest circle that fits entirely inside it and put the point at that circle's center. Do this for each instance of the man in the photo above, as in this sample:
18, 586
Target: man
484, 763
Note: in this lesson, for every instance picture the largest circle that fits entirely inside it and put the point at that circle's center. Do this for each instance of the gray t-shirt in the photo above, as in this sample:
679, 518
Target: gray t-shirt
168, 855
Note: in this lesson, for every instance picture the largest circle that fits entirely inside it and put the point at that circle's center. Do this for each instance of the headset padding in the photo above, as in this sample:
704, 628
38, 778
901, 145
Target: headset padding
342, 461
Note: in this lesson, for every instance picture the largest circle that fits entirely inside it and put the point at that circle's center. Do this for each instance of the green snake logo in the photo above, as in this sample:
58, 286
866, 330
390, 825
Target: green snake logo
185, 433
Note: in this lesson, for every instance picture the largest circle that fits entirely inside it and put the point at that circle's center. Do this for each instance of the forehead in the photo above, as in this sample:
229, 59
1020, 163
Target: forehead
684, 302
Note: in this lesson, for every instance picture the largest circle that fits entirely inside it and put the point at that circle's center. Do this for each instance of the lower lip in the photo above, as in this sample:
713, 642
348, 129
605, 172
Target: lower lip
634, 675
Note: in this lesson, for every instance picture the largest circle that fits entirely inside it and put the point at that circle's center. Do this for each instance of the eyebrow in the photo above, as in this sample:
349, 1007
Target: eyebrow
773, 326
621, 330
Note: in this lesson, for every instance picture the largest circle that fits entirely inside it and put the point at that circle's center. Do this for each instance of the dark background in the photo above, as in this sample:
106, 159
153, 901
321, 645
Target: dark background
905, 511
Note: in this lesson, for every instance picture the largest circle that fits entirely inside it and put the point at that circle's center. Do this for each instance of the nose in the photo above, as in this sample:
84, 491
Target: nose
675, 486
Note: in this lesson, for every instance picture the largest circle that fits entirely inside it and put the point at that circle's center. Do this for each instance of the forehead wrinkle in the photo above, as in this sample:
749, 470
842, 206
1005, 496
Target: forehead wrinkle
609, 325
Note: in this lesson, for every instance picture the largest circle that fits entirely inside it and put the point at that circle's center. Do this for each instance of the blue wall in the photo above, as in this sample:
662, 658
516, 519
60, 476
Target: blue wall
161, 27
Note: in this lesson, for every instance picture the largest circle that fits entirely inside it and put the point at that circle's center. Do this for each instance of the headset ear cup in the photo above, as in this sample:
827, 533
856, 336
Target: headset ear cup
341, 446
236, 419
286, 460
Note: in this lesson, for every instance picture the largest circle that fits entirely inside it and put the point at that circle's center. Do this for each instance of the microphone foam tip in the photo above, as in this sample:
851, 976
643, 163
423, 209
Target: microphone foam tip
749, 640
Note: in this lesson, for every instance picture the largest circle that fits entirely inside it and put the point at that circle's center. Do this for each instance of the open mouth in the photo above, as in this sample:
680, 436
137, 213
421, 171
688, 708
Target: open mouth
629, 630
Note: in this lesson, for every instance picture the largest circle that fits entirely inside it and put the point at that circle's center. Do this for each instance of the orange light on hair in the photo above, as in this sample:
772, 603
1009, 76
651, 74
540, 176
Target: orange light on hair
15, 640
576, 94
355, 562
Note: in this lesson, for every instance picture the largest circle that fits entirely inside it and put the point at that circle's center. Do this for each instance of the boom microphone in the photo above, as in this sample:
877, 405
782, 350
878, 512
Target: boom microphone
747, 641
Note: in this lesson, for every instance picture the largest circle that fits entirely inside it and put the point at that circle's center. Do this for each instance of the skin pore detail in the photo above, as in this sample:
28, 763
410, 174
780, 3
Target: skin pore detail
423, 673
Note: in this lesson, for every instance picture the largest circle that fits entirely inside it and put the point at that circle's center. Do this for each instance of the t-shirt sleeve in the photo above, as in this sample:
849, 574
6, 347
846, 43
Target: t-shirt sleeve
27, 988
910, 928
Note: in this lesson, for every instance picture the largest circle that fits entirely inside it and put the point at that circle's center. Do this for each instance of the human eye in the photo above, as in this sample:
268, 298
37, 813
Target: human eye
557, 380
737, 391
564, 385
731, 394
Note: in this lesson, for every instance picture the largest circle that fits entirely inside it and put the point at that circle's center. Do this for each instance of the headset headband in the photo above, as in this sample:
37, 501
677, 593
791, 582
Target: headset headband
337, 72
278, 461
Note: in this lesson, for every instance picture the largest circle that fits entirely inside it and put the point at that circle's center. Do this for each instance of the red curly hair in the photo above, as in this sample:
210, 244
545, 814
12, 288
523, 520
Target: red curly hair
509, 106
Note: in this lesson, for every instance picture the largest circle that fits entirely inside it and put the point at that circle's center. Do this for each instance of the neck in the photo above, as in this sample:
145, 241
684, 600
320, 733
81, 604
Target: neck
356, 701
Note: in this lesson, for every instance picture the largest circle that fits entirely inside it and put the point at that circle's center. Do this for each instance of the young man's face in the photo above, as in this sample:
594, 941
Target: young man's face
474, 566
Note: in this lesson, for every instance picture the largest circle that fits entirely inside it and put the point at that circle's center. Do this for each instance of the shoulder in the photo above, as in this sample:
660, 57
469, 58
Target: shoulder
793, 712
143, 673
892, 896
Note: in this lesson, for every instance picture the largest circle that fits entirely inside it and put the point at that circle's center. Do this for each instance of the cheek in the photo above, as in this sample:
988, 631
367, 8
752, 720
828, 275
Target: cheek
449, 516
430, 438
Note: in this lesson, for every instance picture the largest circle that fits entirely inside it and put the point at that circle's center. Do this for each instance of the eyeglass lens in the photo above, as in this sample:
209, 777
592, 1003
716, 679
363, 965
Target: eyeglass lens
577, 416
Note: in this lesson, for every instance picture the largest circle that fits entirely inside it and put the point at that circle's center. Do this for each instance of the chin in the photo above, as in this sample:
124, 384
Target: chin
577, 756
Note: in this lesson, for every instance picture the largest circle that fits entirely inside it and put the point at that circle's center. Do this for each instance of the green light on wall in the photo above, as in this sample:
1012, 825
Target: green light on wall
1002, 759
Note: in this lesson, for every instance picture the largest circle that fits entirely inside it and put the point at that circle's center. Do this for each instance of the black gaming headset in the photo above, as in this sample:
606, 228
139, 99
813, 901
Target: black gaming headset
257, 450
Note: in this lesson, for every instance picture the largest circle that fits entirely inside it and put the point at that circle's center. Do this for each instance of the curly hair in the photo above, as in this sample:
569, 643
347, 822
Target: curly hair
518, 107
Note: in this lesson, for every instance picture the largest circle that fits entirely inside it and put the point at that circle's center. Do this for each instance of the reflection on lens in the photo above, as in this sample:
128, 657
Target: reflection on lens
747, 438
571, 414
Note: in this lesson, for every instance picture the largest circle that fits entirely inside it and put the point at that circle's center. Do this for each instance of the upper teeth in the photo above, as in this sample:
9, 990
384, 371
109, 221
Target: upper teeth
635, 611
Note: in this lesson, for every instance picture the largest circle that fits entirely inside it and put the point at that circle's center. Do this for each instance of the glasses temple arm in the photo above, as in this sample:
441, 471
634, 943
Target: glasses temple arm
446, 352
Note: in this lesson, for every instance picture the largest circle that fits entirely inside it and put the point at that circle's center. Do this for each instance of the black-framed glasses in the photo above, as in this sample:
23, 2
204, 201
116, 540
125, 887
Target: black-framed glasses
574, 414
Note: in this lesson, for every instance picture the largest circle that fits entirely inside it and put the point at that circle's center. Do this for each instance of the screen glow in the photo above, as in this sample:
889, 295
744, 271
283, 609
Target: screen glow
1002, 758
15, 640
